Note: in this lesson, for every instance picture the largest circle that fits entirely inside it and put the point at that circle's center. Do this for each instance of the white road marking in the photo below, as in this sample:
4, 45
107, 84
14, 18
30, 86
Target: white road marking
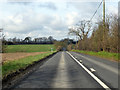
61, 80
91, 74
76, 57
80, 61
92, 69
112, 69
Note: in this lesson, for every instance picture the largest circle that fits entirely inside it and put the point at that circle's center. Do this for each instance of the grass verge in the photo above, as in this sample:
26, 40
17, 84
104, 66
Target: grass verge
106, 55
12, 66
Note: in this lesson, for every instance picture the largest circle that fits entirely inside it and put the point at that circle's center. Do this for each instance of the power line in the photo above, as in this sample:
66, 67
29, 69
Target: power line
96, 11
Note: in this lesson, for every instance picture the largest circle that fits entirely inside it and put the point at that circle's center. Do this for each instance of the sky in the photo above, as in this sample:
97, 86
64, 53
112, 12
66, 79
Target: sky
49, 17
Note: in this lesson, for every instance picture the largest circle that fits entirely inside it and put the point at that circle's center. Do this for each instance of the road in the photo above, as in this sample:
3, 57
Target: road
106, 70
61, 71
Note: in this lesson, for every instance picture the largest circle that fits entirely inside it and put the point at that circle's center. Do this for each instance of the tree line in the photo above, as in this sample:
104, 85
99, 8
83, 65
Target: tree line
64, 44
104, 37
29, 40
59, 44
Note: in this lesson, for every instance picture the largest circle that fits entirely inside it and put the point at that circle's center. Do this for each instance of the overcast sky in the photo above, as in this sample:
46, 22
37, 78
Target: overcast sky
48, 18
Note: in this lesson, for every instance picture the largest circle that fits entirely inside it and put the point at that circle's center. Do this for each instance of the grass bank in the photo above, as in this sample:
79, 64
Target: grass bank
29, 48
106, 55
12, 66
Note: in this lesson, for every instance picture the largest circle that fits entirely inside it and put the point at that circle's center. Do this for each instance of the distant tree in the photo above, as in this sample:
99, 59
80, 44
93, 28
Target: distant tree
36, 40
44, 39
10, 40
63, 44
57, 45
70, 47
40, 40
51, 39
18, 40
3, 43
14, 40
27, 39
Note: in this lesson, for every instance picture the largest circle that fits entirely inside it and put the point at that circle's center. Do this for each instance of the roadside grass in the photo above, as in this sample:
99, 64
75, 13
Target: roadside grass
29, 48
102, 54
12, 66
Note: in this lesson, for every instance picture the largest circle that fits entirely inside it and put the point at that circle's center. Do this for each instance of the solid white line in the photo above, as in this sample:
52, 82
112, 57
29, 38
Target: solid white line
91, 74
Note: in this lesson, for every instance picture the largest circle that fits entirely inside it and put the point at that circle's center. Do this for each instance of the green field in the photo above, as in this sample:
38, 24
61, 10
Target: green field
107, 55
29, 48
12, 66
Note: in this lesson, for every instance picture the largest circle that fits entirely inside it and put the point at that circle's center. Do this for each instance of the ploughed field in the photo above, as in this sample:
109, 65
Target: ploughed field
15, 52
15, 56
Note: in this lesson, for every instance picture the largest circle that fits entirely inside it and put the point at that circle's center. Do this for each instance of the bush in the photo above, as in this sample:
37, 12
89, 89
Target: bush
70, 47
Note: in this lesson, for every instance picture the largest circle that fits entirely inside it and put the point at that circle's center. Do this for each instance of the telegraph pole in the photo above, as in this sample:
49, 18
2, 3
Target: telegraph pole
103, 25
104, 11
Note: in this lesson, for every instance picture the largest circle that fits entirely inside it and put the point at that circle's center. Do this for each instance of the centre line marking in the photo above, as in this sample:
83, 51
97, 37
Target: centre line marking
61, 79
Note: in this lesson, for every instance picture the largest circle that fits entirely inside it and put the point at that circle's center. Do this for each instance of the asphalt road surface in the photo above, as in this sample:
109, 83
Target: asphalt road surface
106, 70
61, 71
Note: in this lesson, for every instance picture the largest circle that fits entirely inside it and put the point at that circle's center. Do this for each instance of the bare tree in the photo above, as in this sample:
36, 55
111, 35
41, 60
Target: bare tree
81, 30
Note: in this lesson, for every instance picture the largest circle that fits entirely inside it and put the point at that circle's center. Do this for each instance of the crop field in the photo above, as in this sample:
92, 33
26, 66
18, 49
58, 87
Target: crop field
29, 48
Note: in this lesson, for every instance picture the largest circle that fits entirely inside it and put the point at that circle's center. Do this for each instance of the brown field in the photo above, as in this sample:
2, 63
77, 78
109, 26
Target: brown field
18, 55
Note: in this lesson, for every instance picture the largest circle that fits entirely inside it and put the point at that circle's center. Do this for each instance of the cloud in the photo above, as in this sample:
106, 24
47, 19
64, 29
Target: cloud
87, 9
72, 18
48, 5
32, 23
44, 19
26, 22
20, 3
112, 9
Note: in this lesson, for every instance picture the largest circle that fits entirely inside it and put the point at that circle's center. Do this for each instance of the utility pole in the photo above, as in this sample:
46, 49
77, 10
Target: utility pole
103, 25
104, 11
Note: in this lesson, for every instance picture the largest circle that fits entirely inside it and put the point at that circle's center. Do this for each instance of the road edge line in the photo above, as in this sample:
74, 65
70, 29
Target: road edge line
91, 74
